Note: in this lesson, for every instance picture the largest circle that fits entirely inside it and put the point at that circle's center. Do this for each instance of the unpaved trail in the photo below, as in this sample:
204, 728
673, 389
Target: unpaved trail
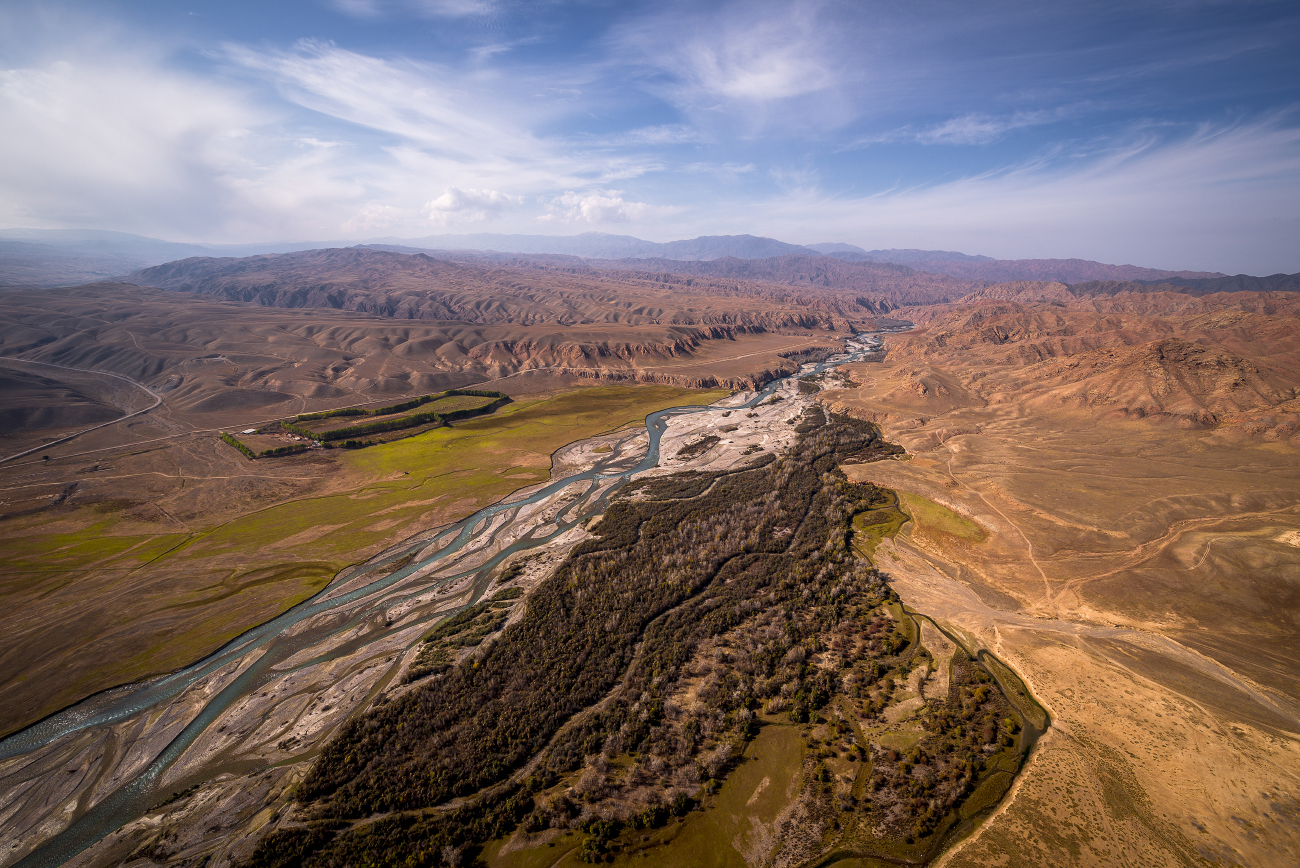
157, 401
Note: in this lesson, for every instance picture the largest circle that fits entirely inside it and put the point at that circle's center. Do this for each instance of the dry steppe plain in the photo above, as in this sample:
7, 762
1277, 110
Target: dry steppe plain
1104, 491
1131, 465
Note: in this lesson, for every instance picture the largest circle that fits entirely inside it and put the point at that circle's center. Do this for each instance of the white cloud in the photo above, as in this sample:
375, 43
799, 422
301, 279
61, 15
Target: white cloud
745, 58
374, 217
483, 53
101, 140
664, 134
427, 8
762, 62
450, 125
593, 208
457, 205
976, 129
973, 128
418, 102
1217, 198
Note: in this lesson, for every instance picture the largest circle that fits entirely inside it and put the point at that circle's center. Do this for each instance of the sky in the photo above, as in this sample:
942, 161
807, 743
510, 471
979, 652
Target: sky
1163, 134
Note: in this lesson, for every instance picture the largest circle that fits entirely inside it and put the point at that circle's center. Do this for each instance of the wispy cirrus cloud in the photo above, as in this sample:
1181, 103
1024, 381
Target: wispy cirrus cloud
419, 102
1215, 197
483, 53
974, 128
426, 8
663, 134
741, 59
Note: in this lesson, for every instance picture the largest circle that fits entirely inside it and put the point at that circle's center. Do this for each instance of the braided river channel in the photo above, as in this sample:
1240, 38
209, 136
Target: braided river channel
108, 760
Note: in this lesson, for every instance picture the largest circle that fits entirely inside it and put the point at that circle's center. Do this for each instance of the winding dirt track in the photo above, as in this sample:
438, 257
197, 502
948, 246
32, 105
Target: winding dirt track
157, 401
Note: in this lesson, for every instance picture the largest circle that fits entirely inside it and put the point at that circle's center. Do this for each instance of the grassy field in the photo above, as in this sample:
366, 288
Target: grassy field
192, 591
737, 817
936, 519
743, 810
869, 528
448, 471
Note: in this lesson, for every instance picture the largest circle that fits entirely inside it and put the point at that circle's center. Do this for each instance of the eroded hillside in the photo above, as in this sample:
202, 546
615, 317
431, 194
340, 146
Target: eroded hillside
1106, 490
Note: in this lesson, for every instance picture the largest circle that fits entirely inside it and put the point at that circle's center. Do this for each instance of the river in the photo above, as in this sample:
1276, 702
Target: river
349, 623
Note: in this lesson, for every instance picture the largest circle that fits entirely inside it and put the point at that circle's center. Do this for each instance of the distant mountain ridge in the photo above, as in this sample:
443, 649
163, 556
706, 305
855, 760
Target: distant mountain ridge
599, 245
852, 253
492, 289
34, 257
1069, 271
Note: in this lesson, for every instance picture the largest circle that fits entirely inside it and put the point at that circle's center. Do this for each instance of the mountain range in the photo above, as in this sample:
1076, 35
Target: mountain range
34, 257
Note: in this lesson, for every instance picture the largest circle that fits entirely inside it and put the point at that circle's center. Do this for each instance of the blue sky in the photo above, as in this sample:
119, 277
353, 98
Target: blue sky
1164, 134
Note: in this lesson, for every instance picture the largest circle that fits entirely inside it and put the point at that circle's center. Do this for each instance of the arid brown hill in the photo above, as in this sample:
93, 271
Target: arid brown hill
1028, 290
30, 400
897, 283
483, 290
1200, 286
850, 298
1229, 359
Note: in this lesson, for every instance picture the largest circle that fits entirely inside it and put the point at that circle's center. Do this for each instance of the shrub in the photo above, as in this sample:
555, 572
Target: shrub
230, 440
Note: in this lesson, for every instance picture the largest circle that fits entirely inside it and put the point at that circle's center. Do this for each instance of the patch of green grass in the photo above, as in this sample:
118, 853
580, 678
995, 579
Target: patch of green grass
538, 857
906, 626
447, 468
986, 795
899, 741
935, 518
228, 620
707, 839
873, 526
1016, 692
93, 546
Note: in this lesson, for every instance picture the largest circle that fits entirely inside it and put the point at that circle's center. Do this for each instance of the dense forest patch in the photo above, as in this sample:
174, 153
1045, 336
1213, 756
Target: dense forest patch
706, 606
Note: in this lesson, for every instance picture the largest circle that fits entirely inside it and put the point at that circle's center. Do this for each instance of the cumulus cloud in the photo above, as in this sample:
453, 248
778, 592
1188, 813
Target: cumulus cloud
472, 205
593, 208
374, 217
